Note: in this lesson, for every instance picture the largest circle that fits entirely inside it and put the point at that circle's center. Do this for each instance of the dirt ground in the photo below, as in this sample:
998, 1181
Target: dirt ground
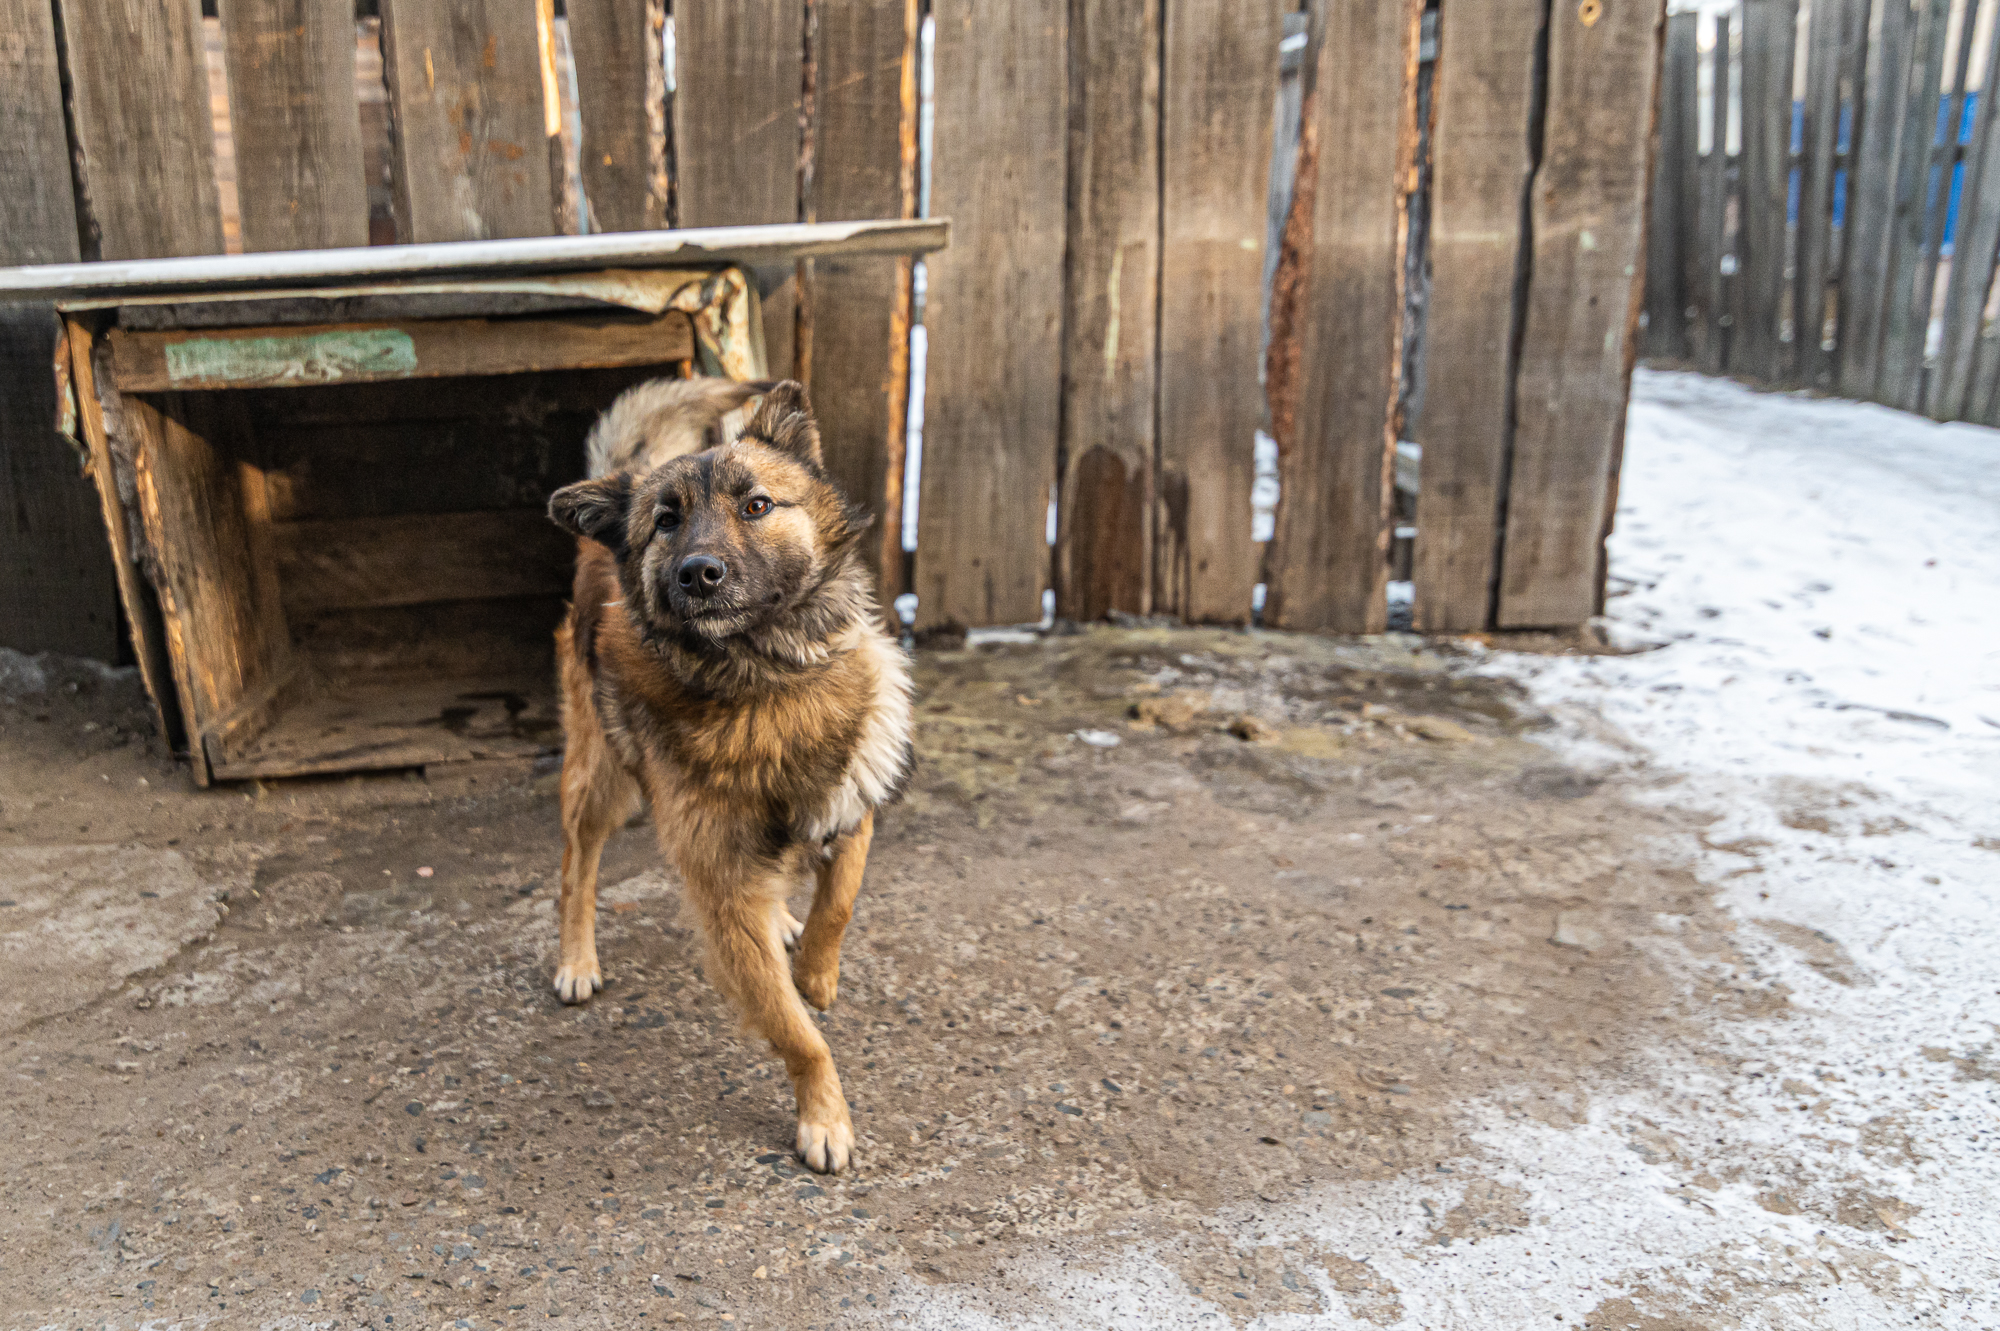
1170, 923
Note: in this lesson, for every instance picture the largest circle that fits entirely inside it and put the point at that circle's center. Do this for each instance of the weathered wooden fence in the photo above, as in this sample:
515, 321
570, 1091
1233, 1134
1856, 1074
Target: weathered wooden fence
1096, 334
1826, 203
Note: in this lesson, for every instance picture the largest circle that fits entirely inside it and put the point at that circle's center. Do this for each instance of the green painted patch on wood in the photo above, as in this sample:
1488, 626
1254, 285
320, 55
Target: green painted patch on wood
310, 358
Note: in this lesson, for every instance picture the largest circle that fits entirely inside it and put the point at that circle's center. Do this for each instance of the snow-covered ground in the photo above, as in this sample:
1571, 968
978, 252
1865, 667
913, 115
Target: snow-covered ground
1824, 578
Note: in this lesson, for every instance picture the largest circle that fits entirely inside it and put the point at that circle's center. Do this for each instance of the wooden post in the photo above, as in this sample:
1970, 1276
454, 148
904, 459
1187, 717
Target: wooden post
295, 124
622, 94
864, 160
1104, 516
1485, 91
465, 86
1328, 561
994, 312
1588, 218
738, 96
1218, 85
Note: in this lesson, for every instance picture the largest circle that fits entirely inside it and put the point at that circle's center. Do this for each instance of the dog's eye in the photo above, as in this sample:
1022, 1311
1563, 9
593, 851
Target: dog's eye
670, 518
757, 507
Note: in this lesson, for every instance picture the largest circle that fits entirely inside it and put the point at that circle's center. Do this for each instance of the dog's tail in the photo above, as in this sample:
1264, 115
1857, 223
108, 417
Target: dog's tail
661, 419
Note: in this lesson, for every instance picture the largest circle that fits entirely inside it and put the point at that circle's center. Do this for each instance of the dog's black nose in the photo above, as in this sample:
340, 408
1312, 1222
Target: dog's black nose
700, 575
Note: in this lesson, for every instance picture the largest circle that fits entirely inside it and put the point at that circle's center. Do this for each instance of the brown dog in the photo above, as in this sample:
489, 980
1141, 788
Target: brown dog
724, 661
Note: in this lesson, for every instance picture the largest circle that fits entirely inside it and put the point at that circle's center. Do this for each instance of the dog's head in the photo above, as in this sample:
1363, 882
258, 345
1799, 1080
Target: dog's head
736, 539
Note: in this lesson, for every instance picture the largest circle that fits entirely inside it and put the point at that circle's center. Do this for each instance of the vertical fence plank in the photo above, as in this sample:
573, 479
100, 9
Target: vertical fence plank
295, 124
139, 80
1770, 32
1485, 93
1328, 563
1871, 194
1972, 256
622, 94
1825, 41
1218, 91
38, 206
1104, 515
1906, 311
1688, 214
1713, 349
863, 155
1588, 223
465, 87
993, 311
1670, 229
738, 92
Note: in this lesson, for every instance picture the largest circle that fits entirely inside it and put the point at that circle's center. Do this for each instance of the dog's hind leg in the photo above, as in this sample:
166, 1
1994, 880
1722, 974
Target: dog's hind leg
747, 963
816, 969
597, 795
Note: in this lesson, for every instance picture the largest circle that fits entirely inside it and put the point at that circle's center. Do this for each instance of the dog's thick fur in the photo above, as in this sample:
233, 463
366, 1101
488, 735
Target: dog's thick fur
763, 715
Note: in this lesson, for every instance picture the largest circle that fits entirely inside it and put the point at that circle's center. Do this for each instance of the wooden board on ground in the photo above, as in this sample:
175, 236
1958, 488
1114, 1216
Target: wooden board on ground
1673, 207
1104, 512
1480, 151
864, 165
465, 89
994, 312
616, 45
1328, 562
361, 563
1770, 32
1218, 83
297, 356
740, 86
140, 101
1588, 212
295, 124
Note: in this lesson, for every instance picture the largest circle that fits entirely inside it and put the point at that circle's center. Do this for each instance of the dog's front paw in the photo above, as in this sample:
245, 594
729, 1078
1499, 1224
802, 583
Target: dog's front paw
577, 984
826, 1144
818, 985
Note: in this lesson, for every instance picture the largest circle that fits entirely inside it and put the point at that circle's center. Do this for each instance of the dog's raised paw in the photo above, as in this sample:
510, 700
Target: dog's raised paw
790, 930
826, 1147
577, 984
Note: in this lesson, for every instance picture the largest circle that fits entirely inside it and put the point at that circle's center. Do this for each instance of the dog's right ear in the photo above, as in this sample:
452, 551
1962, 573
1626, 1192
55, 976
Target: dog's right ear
595, 509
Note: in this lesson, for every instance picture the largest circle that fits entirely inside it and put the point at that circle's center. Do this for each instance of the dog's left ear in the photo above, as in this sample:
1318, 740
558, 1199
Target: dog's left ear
595, 509
784, 421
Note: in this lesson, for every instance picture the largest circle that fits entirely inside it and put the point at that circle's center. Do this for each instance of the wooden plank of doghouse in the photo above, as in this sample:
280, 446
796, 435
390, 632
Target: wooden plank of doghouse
1218, 84
864, 155
1666, 301
616, 45
465, 95
1712, 347
1825, 42
295, 123
1770, 32
140, 106
1104, 510
1921, 238
361, 563
1972, 263
142, 613
1484, 93
1328, 559
1588, 208
294, 356
739, 87
1871, 194
994, 312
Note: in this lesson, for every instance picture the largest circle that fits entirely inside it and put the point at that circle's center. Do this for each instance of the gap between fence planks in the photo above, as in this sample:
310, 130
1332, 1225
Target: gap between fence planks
1328, 563
994, 312
864, 166
465, 89
1480, 148
1588, 248
738, 98
622, 95
295, 124
1218, 83
1104, 515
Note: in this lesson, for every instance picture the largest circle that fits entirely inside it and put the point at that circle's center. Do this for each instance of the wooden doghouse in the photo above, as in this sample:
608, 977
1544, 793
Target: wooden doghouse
325, 473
